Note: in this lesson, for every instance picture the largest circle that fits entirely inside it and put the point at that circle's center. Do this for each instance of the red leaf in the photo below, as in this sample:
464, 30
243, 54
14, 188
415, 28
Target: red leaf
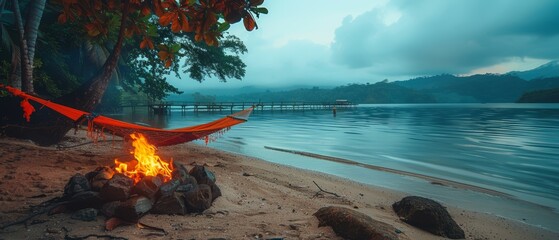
163, 55
146, 11
166, 18
62, 18
111, 4
158, 8
185, 24
249, 22
176, 26
98, 5
198, 36
209, 21
143, 43
92, 29
211, 39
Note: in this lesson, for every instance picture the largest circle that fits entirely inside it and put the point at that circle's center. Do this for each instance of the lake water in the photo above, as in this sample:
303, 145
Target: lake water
510, 148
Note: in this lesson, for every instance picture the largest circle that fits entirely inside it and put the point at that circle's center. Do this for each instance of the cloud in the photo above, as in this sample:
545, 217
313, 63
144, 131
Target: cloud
324, 43
433, 37
298, 62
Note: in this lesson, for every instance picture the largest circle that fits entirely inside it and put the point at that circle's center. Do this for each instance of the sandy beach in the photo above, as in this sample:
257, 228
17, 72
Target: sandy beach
261, 200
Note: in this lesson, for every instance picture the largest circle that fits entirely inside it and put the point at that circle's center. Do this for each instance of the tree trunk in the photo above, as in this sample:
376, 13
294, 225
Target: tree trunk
26, 67
89, 94
34, 15
15, 73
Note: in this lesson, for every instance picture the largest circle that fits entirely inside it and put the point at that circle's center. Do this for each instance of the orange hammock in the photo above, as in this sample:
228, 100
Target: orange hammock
156, 136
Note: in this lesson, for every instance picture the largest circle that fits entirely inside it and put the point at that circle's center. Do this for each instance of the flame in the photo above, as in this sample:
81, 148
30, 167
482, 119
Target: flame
145, 163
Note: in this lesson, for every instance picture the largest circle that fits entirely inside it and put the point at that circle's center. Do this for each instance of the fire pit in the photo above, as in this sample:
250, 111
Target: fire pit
144, 184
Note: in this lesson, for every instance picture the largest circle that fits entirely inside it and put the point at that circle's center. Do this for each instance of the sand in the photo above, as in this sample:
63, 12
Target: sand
261, 200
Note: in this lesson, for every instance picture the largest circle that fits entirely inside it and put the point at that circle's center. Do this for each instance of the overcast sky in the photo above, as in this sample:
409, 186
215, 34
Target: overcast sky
333, 42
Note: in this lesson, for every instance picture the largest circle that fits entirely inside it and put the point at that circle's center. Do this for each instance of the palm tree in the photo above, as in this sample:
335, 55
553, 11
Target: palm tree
23, 53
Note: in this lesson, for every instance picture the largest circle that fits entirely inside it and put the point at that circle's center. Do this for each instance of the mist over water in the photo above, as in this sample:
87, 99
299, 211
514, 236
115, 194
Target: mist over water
511, 148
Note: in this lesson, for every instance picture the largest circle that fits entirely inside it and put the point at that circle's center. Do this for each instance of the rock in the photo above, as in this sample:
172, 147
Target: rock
169, 187
108, 209
428, 215
185, 188
216, 192
76, 184
86, 214
118, 188
100, 177
170, 204
350, 224
181, 174
204, 176
198, 199
148, 187
134, 208
87, 199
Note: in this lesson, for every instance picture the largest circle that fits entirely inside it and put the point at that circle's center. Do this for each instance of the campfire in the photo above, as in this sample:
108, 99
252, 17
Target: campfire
144, 184
145, 163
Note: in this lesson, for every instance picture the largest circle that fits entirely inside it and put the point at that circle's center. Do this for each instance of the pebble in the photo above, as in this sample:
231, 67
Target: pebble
53, 230
86, 214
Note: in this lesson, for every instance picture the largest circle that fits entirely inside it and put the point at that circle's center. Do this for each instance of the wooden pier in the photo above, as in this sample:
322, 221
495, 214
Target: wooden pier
167, 107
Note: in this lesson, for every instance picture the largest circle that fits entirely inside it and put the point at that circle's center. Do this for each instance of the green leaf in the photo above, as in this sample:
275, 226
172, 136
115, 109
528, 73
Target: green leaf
223, 27
261, 10
152, 30
175, 48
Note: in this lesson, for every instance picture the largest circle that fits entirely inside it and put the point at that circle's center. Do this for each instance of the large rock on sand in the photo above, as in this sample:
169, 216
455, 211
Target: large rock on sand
428, 215
205, 176
350, 224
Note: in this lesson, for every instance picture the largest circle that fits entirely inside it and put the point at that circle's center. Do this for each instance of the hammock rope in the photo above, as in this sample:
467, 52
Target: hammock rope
98, 124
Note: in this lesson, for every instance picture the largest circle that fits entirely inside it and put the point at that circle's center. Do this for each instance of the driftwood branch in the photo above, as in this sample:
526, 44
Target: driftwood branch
324, 191
145, 226
34, 214
105, 236
60, 147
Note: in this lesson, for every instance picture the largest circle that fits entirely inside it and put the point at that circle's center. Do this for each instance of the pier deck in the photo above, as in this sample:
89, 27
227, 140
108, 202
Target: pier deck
166, 107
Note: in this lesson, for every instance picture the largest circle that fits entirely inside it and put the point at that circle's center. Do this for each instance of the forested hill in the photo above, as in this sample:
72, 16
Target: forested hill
485, 88
477, 88
541, 96
381, 92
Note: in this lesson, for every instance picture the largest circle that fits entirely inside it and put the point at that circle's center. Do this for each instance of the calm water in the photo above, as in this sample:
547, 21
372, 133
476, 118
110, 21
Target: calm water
511, 148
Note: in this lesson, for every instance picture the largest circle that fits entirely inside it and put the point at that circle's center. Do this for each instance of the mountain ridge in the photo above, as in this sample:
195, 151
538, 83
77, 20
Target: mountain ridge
550, 69
443, 88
